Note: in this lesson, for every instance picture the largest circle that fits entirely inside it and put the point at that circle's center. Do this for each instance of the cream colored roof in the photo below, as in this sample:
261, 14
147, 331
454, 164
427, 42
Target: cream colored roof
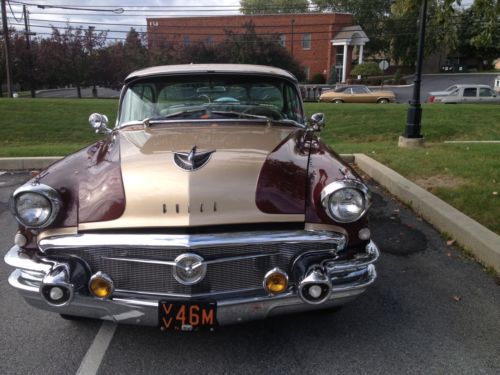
210, 68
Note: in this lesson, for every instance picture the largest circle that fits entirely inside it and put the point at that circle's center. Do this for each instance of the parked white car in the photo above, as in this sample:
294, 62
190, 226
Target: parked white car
470, 93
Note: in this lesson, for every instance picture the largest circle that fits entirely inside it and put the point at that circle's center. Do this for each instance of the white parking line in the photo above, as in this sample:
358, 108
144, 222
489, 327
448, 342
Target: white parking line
1, 173
95, 354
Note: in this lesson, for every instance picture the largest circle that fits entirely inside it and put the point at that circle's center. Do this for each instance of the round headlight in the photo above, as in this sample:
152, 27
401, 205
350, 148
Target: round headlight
345, 201
32, 209
35, 206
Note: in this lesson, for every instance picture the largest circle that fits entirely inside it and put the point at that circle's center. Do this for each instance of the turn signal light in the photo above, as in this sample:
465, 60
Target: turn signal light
275, 281
101, 285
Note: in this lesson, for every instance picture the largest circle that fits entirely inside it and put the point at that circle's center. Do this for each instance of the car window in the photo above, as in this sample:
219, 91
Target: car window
470, 92
485, 92
359, 90
454, 93
451, 88
211, 96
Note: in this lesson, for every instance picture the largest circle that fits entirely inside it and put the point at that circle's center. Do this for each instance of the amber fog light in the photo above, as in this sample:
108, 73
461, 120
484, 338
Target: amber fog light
101, 285
275, 281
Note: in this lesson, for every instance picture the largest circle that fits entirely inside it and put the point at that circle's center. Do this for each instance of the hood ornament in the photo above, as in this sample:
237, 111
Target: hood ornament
192, 160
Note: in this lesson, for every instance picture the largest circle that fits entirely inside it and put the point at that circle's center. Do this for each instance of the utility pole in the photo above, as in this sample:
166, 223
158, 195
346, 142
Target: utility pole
27, 34
7, 49
412, 136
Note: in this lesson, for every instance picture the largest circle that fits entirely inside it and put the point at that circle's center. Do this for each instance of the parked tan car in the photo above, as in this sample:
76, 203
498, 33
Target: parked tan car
357, 94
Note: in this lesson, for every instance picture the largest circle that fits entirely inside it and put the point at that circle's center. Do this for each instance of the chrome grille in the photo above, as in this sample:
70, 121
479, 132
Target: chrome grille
226, 275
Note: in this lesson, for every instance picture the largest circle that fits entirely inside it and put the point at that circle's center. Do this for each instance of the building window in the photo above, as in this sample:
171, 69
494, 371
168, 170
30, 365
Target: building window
306, 72
306, 41
282, 40
339, 61
186, 41
210, 40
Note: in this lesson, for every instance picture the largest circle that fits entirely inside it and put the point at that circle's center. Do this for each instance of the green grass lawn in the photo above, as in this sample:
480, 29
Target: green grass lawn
464, 175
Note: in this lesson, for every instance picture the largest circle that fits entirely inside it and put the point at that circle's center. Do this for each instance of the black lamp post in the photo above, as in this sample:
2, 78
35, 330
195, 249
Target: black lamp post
414, 116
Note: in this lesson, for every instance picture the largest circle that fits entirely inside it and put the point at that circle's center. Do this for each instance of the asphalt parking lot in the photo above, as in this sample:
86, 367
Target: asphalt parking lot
431, 311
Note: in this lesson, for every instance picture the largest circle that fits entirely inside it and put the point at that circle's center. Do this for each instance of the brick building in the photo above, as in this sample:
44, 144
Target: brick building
317, 40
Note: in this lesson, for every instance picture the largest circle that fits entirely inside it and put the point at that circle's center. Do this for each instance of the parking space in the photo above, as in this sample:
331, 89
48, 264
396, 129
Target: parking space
430, 311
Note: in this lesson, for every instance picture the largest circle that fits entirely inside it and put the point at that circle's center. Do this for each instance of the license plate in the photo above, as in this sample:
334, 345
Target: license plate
187, 316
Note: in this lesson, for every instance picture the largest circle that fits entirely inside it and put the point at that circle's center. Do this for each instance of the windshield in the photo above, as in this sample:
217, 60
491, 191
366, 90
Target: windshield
211, 96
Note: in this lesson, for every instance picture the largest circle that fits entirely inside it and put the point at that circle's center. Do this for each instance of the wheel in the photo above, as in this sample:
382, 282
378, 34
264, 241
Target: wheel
383, 101
338, 101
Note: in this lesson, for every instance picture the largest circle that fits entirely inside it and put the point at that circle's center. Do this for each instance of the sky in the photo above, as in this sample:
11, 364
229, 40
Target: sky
109, 17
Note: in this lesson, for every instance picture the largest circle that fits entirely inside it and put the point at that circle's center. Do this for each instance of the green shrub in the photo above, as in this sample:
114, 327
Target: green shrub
366, 70
318, 79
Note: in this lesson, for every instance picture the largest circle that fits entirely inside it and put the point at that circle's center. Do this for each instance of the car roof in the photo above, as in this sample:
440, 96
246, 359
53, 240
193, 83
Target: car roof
210, 68
470, 85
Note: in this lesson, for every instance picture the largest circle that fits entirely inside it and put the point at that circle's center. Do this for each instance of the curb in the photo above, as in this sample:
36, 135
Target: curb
27, 162
484, 243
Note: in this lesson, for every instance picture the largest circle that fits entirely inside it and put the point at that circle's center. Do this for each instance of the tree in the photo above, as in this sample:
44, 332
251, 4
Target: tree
250, 48
479, 32
441, 30
371, 15
273, 6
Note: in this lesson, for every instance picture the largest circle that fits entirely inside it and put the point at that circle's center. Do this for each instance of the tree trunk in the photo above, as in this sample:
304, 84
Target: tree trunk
79, 91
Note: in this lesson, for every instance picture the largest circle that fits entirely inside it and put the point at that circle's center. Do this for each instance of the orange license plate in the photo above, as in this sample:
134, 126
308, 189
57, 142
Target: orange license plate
187, 316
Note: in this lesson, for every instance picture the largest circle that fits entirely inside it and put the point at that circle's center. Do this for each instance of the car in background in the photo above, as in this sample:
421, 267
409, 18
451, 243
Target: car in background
357, 94
461, 93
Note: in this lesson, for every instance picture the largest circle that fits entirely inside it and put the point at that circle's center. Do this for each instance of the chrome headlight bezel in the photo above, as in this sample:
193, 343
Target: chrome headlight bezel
337, 186
45, 191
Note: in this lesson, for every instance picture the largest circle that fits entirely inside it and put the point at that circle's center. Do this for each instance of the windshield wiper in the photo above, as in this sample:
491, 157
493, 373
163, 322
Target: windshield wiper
239, 115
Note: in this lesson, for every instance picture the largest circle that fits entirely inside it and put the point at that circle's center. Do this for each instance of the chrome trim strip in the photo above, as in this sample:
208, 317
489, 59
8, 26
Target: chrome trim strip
187, 241
370, 256
16, 257
172, 263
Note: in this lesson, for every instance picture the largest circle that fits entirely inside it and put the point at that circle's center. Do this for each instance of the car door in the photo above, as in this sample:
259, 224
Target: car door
469, 95
487, 95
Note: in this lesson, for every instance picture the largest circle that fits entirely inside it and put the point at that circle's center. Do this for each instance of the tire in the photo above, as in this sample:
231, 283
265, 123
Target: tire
383, 101
337, 101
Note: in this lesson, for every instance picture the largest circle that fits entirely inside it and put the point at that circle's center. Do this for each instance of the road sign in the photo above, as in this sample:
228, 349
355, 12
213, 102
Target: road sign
383, 64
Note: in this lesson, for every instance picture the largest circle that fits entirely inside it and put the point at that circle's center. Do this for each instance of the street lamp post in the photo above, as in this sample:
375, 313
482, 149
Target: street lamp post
412, 136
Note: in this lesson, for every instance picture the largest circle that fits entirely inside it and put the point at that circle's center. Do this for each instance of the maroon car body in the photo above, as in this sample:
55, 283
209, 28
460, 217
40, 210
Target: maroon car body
211, 202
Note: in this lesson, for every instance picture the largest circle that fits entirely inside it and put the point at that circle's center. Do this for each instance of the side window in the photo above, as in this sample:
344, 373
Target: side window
306, 41
485, 92
470, 92
282, 40
453, 93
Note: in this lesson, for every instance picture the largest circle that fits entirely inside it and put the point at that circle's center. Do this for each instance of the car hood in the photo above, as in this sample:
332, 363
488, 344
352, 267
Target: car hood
160, 193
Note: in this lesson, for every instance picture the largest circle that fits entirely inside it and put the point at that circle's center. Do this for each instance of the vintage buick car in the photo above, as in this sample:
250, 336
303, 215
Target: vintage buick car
212, 201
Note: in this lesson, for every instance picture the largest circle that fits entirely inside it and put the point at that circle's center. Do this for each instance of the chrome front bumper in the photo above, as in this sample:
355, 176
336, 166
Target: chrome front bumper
348, 279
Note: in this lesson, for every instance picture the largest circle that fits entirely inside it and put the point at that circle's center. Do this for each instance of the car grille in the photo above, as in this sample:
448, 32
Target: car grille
222, 277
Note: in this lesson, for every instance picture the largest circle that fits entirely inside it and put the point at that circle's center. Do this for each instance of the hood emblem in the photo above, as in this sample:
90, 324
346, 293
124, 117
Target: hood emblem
192, 160
189, 269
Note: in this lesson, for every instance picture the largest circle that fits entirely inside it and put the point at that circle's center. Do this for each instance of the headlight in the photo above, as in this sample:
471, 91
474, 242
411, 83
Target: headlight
35, 206
346, 201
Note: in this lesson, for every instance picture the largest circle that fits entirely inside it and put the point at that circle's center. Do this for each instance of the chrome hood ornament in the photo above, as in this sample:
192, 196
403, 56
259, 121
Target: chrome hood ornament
192, 160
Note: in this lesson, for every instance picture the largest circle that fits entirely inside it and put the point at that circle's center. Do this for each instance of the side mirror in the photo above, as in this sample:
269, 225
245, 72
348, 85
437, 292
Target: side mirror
99, 123
317, 122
